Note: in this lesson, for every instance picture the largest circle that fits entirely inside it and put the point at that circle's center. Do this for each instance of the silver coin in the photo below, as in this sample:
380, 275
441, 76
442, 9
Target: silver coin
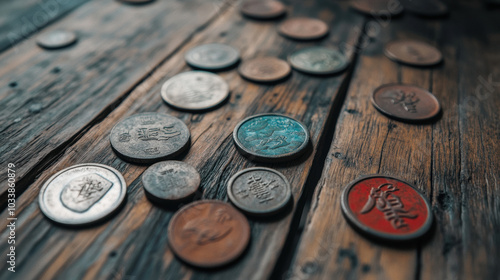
56, 39
212, 56
82, 194
259, 191
318, 60
195, 90
149, 137
170, 181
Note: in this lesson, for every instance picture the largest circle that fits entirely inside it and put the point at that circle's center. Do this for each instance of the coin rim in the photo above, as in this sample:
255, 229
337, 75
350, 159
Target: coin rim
397, 59
205, 265
258, 80
278, 158
303, 38
40, 43
261, 16
193, 64
104, 214
375, 233
334, 71
245, 209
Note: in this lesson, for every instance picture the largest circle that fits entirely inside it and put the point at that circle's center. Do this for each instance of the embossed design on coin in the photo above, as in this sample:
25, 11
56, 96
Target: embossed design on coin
212, 56
262, 9
386, 207
406, 102
265, 69
318, 60
377, 7
426, 8
208, 233
149, 137
271, 137
259, 190
413, 53
195, 90
303, 28
82, 194
56, 39
170, 181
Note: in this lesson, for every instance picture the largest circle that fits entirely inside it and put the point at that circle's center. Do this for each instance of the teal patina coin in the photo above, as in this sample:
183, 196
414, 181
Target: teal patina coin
271, 137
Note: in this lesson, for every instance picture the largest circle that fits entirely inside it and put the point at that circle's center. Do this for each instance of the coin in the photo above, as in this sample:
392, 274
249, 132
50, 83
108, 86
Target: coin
149, 137
212, 56
137, 1
427, 8
259, 191
195, 90
377, 8
265, 69
387, 208
170, 181
271, 137
56, 39
262, 9
208, 233
413, 53
318, 60
303, 28
405, 102
82, 194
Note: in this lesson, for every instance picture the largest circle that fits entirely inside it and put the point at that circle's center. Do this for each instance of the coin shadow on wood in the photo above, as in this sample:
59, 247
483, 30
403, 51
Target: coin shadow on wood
218, 70
201, 111
432, 120
169, 205
264, 20
275, 82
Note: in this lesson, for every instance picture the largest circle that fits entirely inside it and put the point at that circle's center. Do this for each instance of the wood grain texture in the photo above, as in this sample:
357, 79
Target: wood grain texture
133, 244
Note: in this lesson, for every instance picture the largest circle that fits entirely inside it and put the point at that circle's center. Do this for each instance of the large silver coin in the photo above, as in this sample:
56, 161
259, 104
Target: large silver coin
170, 181
259, 191
56, 39
212, 56
195, 90
318, 60
82, 194
149, 137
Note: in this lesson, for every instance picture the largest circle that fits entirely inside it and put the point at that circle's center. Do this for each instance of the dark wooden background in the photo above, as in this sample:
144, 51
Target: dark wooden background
57, 108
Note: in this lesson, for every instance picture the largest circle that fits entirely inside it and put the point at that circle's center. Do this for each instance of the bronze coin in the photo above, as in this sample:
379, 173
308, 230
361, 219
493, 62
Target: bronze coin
262, 9
208, 233
303, 28
405, 102
265, 69
413, 52
426, 8
377, 7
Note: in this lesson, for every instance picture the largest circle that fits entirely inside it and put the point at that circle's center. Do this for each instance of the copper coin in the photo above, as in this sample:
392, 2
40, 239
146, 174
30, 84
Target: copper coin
208, 233
426, 8
265, 69
405, 102
262, 9
387, 208
377, 7
413, 53
56, 39
303, 28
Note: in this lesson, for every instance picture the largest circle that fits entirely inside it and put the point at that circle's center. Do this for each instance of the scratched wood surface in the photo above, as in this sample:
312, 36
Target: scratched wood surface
58, 107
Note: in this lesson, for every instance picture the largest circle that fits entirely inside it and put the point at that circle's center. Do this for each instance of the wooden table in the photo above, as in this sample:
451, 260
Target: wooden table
58, 107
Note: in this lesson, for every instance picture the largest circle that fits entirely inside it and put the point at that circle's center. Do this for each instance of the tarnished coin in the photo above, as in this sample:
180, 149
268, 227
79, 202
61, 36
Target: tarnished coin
212, 56
318, 60
413, 53
195, 90
262, 9
405, 102
387, 208
271, 137
56, 39
170, 181
208, 233
265, 69
137, 1
303, 28
259, 191
426, 8
377, 7
149, 137
82, 194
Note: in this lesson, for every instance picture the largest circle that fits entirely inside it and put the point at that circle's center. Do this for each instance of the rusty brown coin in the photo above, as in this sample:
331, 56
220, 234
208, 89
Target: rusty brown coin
406, 102
262, 9
413, 52
208, 233
301, 28
265, 69
377, 7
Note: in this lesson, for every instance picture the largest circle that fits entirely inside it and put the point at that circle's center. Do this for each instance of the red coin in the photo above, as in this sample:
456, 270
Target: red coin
387, 208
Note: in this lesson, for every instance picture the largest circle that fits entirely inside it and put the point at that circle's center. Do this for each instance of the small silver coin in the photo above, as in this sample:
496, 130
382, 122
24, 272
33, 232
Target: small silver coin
56, 39
82, 194
318, 60
212, 56
259, 191
195, 90
171, 181
149, 137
